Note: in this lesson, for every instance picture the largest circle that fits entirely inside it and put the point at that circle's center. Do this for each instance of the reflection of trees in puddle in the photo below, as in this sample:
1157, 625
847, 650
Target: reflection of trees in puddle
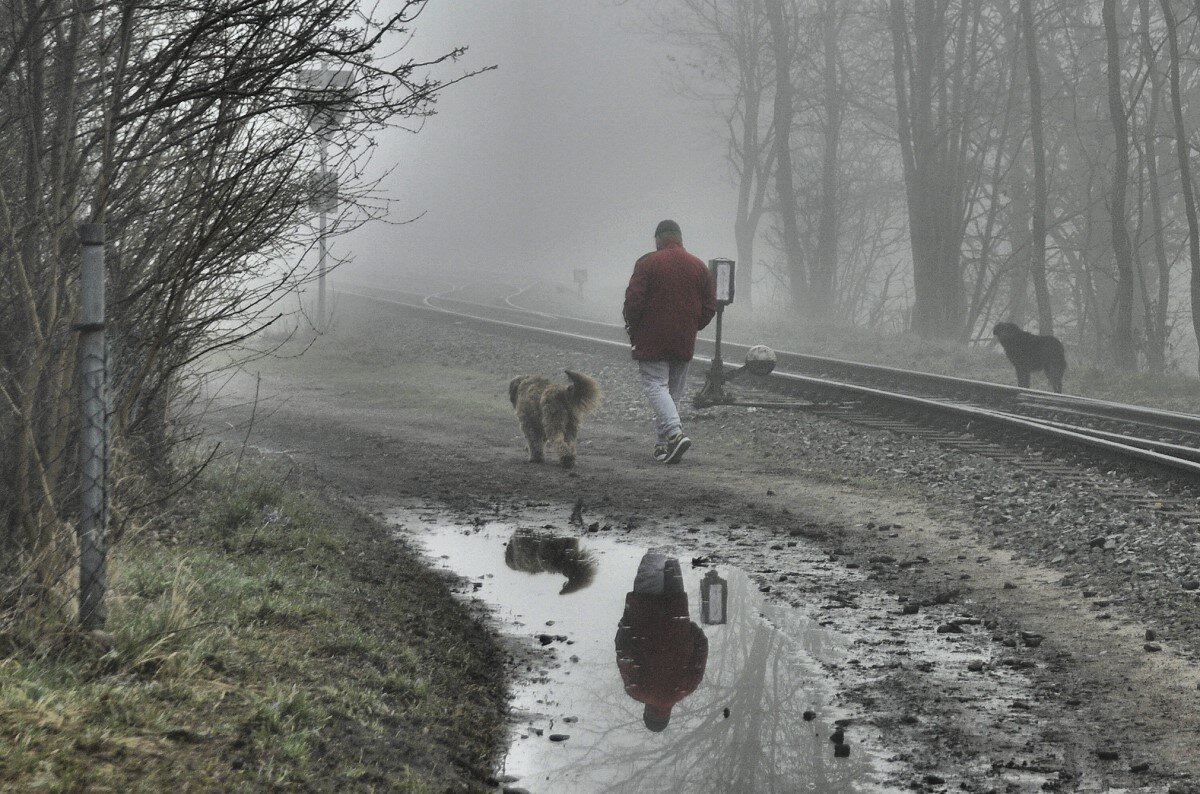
540, 552
765, 681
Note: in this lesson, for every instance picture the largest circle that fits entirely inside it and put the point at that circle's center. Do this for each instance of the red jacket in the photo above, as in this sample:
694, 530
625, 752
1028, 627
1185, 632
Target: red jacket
670, 297
660, 653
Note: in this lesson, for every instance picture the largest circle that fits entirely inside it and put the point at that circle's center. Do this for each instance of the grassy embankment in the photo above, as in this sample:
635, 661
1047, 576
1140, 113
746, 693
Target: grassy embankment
263, 639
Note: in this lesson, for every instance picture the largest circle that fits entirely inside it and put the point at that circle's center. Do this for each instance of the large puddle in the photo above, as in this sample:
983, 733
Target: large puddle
738, 693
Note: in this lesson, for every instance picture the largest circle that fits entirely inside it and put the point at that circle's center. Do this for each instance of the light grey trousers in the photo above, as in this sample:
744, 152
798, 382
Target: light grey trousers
663, 382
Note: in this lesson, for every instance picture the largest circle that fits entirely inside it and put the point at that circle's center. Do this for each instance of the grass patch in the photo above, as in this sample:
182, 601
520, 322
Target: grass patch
279, 641
385, 377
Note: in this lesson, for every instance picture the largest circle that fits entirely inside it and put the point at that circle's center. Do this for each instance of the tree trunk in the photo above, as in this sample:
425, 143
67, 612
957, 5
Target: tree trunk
1156, 311
745, 223
1037, 248
750, 156
929, 114
785, 186
1123, 350
1185, 168
905, 125
1020, 214
824, 273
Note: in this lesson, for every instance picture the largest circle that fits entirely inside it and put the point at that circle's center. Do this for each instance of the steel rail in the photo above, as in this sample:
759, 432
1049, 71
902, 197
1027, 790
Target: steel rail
1105, 409
1079, 436
1126, 447
1034, 398
1165, 447
811, 359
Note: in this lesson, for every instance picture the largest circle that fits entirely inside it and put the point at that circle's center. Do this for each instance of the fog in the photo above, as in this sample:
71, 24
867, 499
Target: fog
564, 157
1061, 201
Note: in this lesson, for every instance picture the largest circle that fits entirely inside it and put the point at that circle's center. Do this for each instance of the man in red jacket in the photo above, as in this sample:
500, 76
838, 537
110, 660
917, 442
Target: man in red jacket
670, 297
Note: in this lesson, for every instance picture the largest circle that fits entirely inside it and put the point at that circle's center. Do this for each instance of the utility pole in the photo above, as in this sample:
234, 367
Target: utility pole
322, 87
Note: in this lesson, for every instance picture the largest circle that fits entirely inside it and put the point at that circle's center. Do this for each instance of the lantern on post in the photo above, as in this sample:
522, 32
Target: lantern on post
722, 273
714, 599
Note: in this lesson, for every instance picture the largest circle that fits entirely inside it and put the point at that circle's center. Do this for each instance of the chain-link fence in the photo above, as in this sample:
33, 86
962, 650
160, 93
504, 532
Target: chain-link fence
53, 422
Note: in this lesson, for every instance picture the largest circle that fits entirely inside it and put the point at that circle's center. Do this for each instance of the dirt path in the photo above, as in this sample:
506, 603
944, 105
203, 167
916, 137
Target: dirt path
396, 407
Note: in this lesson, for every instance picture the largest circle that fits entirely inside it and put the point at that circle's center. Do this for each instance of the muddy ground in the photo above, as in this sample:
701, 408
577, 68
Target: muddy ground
397, 405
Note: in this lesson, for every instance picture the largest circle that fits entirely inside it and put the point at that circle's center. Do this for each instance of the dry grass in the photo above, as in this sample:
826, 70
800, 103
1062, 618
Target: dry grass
260, 641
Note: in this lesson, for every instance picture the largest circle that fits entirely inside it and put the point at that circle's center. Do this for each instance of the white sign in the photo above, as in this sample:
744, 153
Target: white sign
722, 271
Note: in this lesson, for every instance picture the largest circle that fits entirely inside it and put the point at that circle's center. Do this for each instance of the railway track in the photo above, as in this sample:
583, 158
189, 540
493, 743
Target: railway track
1006, 422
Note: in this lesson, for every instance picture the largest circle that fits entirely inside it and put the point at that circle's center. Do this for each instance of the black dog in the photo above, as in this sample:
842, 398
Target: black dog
1031, 352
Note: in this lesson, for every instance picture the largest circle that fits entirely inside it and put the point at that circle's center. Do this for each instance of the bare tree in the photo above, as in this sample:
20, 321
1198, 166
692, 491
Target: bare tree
933, 69
831, 15
728, 65
783, 39
1185, 168
993, 224
1037, 252
1123, 350
1156, 306
183, 127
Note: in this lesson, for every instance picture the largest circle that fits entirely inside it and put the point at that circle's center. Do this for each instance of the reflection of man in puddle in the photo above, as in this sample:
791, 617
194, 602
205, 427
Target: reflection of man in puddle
534, 552
661, 653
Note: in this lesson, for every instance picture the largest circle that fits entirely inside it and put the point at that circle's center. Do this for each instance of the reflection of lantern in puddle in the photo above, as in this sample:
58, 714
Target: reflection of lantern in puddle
714, 597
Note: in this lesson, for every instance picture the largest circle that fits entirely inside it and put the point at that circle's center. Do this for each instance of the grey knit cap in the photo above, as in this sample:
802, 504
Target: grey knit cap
667, 227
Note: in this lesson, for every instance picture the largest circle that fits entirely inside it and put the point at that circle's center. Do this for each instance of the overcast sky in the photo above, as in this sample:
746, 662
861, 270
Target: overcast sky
564, 157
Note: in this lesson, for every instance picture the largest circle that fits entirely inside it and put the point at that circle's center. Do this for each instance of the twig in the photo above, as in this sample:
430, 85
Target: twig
250, 424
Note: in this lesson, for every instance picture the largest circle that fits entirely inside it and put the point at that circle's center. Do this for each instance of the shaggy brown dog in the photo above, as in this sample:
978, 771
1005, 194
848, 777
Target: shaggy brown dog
550, 412
1029, 353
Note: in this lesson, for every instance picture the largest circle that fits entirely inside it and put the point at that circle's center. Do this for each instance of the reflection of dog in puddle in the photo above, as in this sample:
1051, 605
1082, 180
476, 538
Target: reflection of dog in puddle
536, 552
1031, 352
551, 412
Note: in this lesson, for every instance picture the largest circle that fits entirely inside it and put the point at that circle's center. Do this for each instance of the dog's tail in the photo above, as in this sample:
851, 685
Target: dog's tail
583, 393
513, 386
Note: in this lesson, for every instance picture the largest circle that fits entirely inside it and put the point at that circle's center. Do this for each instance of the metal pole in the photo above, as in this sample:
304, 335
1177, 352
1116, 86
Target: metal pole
713, 392
93, 446
322, 198
717, 364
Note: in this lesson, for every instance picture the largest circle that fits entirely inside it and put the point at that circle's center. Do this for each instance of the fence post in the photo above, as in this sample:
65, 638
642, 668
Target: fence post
93, 441
321, 242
